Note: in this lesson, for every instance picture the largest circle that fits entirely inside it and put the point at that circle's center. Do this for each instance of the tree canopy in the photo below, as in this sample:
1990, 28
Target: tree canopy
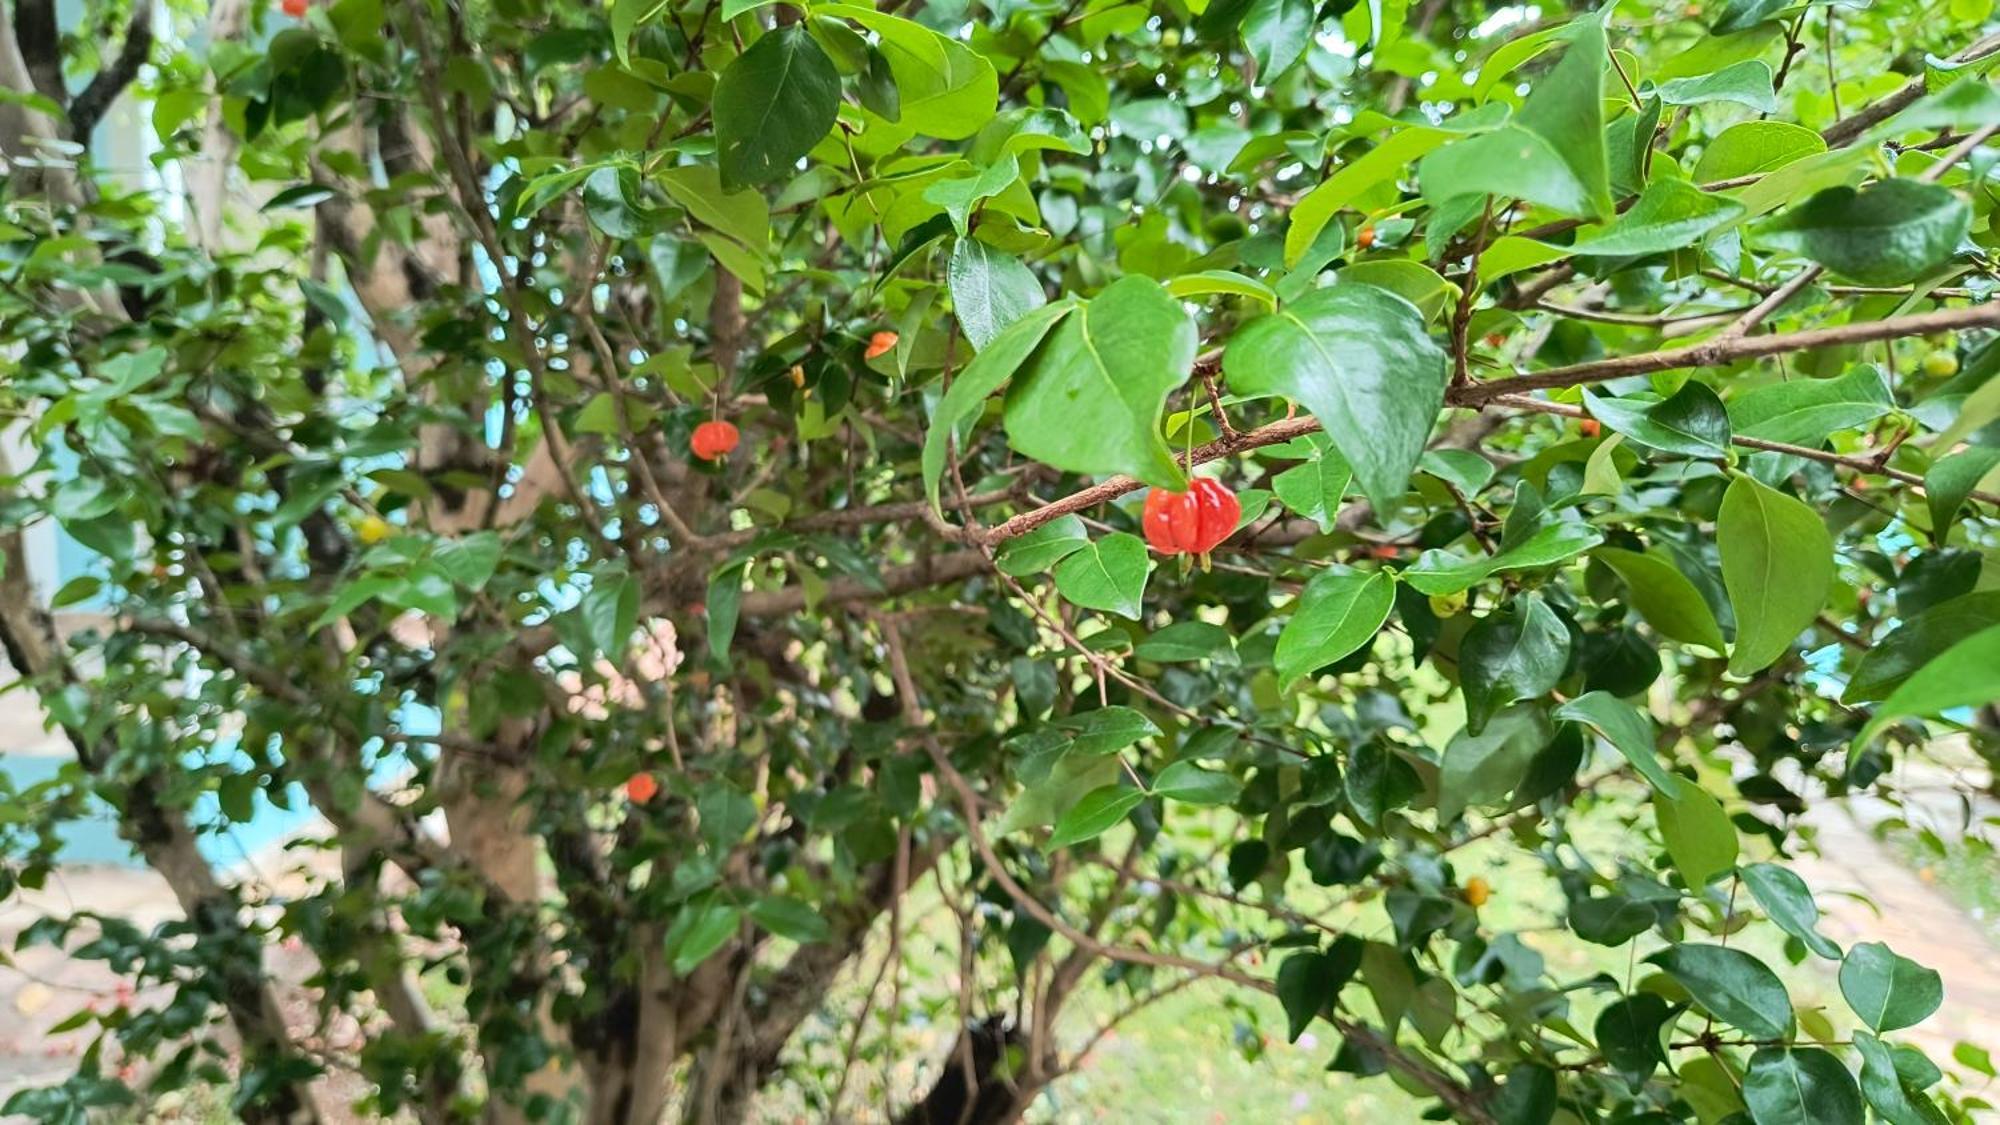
691, 493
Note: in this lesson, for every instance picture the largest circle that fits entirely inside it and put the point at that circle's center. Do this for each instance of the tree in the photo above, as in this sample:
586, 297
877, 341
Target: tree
1586, 381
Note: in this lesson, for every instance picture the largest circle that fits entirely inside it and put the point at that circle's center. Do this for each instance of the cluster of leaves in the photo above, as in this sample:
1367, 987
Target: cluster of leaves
1611, 402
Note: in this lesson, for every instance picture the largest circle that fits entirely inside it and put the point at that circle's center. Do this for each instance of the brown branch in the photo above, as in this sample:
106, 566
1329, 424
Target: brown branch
1867, 117
90, 105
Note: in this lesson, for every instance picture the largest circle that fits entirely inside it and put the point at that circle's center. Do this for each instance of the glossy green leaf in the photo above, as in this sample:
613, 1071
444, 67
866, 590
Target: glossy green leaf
1043, 547
1091, 400
1628, 1035
1190, 784
1965, 675
1316, 488
1739, 989
1888, 991
1336, 613
698, 931
1512, 656
1551, 153
988, 371
989, 291
1629, 731
1484, 769
1888, 1092
1664, 597
1887, 233
1749, 148
1951, 479
1692, 422
1669, 214
1739, 14
1276, 33
1805, 411
1109, 575
1801, 1086
1105, 730
1096, 813
1700, 838
1777, 563
1186, 640
1917, 641
1439, 573
947, 90
1789, 903
1358, 359
1747, 83
772, 105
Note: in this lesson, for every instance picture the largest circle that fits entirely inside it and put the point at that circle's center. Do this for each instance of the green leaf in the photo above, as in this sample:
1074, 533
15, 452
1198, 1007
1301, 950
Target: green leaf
1441, 574
1965, 675
1896, 1099
1092, 399
1887, 991
1953, 478
1043, 547
1276, 33
993, 366
1191, 785
1094, 814
742, 215
1414, 282
1551, 153
989, 291
1917, 641
1510, 657
1750, 148
1777, 562
610, 612
1739, 14
702, 927
1185, 641
725, 602
1379, 781
1222, 281
1316, 488
947, 89
1383, 162
1628, 1036
1105, 730
1693, 422
1888, 233
791, 918
1109, 575
1789, 903
961, 196
1336, 613
470, 560
1627, 730
1805, 411
1309, 981
1358, 359
1747, 83
1800, 1086
1669, 214
1483, 769
1739, 989
1700, 838
1661, 594
772, 104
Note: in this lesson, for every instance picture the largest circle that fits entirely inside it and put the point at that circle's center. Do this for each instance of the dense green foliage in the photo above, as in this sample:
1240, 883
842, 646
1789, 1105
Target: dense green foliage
1609, 396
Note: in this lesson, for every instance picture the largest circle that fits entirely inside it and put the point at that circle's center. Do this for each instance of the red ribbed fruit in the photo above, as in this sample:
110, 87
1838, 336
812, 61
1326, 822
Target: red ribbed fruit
714, 439
1192, 522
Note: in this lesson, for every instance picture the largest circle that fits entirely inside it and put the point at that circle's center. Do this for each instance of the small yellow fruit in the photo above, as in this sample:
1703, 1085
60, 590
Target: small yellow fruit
1449, 605
1477, 891
373, 530
1941, 364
